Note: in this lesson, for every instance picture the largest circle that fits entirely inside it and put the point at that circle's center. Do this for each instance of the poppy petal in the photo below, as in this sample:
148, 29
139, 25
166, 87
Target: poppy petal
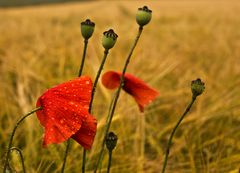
111, 79
142, 93
64, 109
86, 134
77, 90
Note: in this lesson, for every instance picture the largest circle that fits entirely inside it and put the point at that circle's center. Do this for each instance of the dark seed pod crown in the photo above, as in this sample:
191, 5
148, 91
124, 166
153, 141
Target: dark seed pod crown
88, 22
145, 8
110, 33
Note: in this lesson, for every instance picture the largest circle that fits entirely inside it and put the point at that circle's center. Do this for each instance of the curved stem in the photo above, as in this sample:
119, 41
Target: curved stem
111, 112
12, 135
173, 132
92, 98
21, 157
79, 74
83, 58
97, 78
109, 161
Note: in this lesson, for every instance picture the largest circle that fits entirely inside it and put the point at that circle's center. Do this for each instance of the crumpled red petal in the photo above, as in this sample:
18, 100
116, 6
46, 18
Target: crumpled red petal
142, 93
86, 134
65, 110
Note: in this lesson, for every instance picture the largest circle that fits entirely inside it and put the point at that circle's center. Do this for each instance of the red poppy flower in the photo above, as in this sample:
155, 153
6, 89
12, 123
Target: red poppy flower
64, 113
142, 93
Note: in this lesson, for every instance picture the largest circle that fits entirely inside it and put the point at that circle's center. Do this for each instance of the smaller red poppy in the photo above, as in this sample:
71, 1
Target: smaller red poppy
142, 93
64, 113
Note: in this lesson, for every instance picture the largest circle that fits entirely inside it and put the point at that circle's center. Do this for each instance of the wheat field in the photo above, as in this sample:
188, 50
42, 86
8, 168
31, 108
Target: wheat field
42, 46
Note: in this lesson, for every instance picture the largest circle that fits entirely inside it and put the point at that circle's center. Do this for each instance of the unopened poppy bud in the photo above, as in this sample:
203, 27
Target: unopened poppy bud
111, 141
87, 28
143, 16
197, 87
109, 39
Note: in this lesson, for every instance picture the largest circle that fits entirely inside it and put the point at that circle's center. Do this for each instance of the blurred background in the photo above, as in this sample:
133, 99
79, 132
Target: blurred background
41, 46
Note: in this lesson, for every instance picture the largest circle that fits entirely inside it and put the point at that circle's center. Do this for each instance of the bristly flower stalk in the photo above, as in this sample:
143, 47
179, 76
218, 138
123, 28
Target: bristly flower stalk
197, 87
117, 94
12, 135
87, 29
21, 157
108, 41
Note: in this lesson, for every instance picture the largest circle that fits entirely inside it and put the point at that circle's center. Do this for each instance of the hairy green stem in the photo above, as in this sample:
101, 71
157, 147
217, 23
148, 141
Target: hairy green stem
111, 112
79, 74
109, 161
97, 78
83, 57
92, 98
12, 135
65, 155
173, 132
21, 157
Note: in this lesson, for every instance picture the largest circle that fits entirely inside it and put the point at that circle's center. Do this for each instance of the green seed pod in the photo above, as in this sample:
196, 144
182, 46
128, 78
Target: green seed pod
197, 87
109, 39
87, 29
143, 16
111, 141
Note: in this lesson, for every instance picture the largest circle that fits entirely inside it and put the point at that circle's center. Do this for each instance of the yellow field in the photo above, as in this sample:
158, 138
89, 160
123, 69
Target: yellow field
42, 46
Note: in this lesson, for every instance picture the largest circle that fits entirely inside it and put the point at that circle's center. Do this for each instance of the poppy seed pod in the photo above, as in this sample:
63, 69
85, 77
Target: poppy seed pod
111, 141
197, 87
109, 39
143, 16
87, 28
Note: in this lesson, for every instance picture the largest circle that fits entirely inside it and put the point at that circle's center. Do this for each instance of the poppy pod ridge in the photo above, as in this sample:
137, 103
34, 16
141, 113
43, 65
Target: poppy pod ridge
64, 113
142, 93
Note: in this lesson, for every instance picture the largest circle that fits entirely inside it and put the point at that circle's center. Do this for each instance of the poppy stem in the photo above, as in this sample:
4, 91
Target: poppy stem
173, 132
97, 78
79, 74
12, 135
21, 157
111, 112
109, 161
92, 98
65, 155
83, 57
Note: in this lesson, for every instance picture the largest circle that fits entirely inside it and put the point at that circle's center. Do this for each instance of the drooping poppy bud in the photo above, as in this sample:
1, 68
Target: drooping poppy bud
141, 92
87, 28
197, 87
109, 39
64, 113
143, 16
111, 141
